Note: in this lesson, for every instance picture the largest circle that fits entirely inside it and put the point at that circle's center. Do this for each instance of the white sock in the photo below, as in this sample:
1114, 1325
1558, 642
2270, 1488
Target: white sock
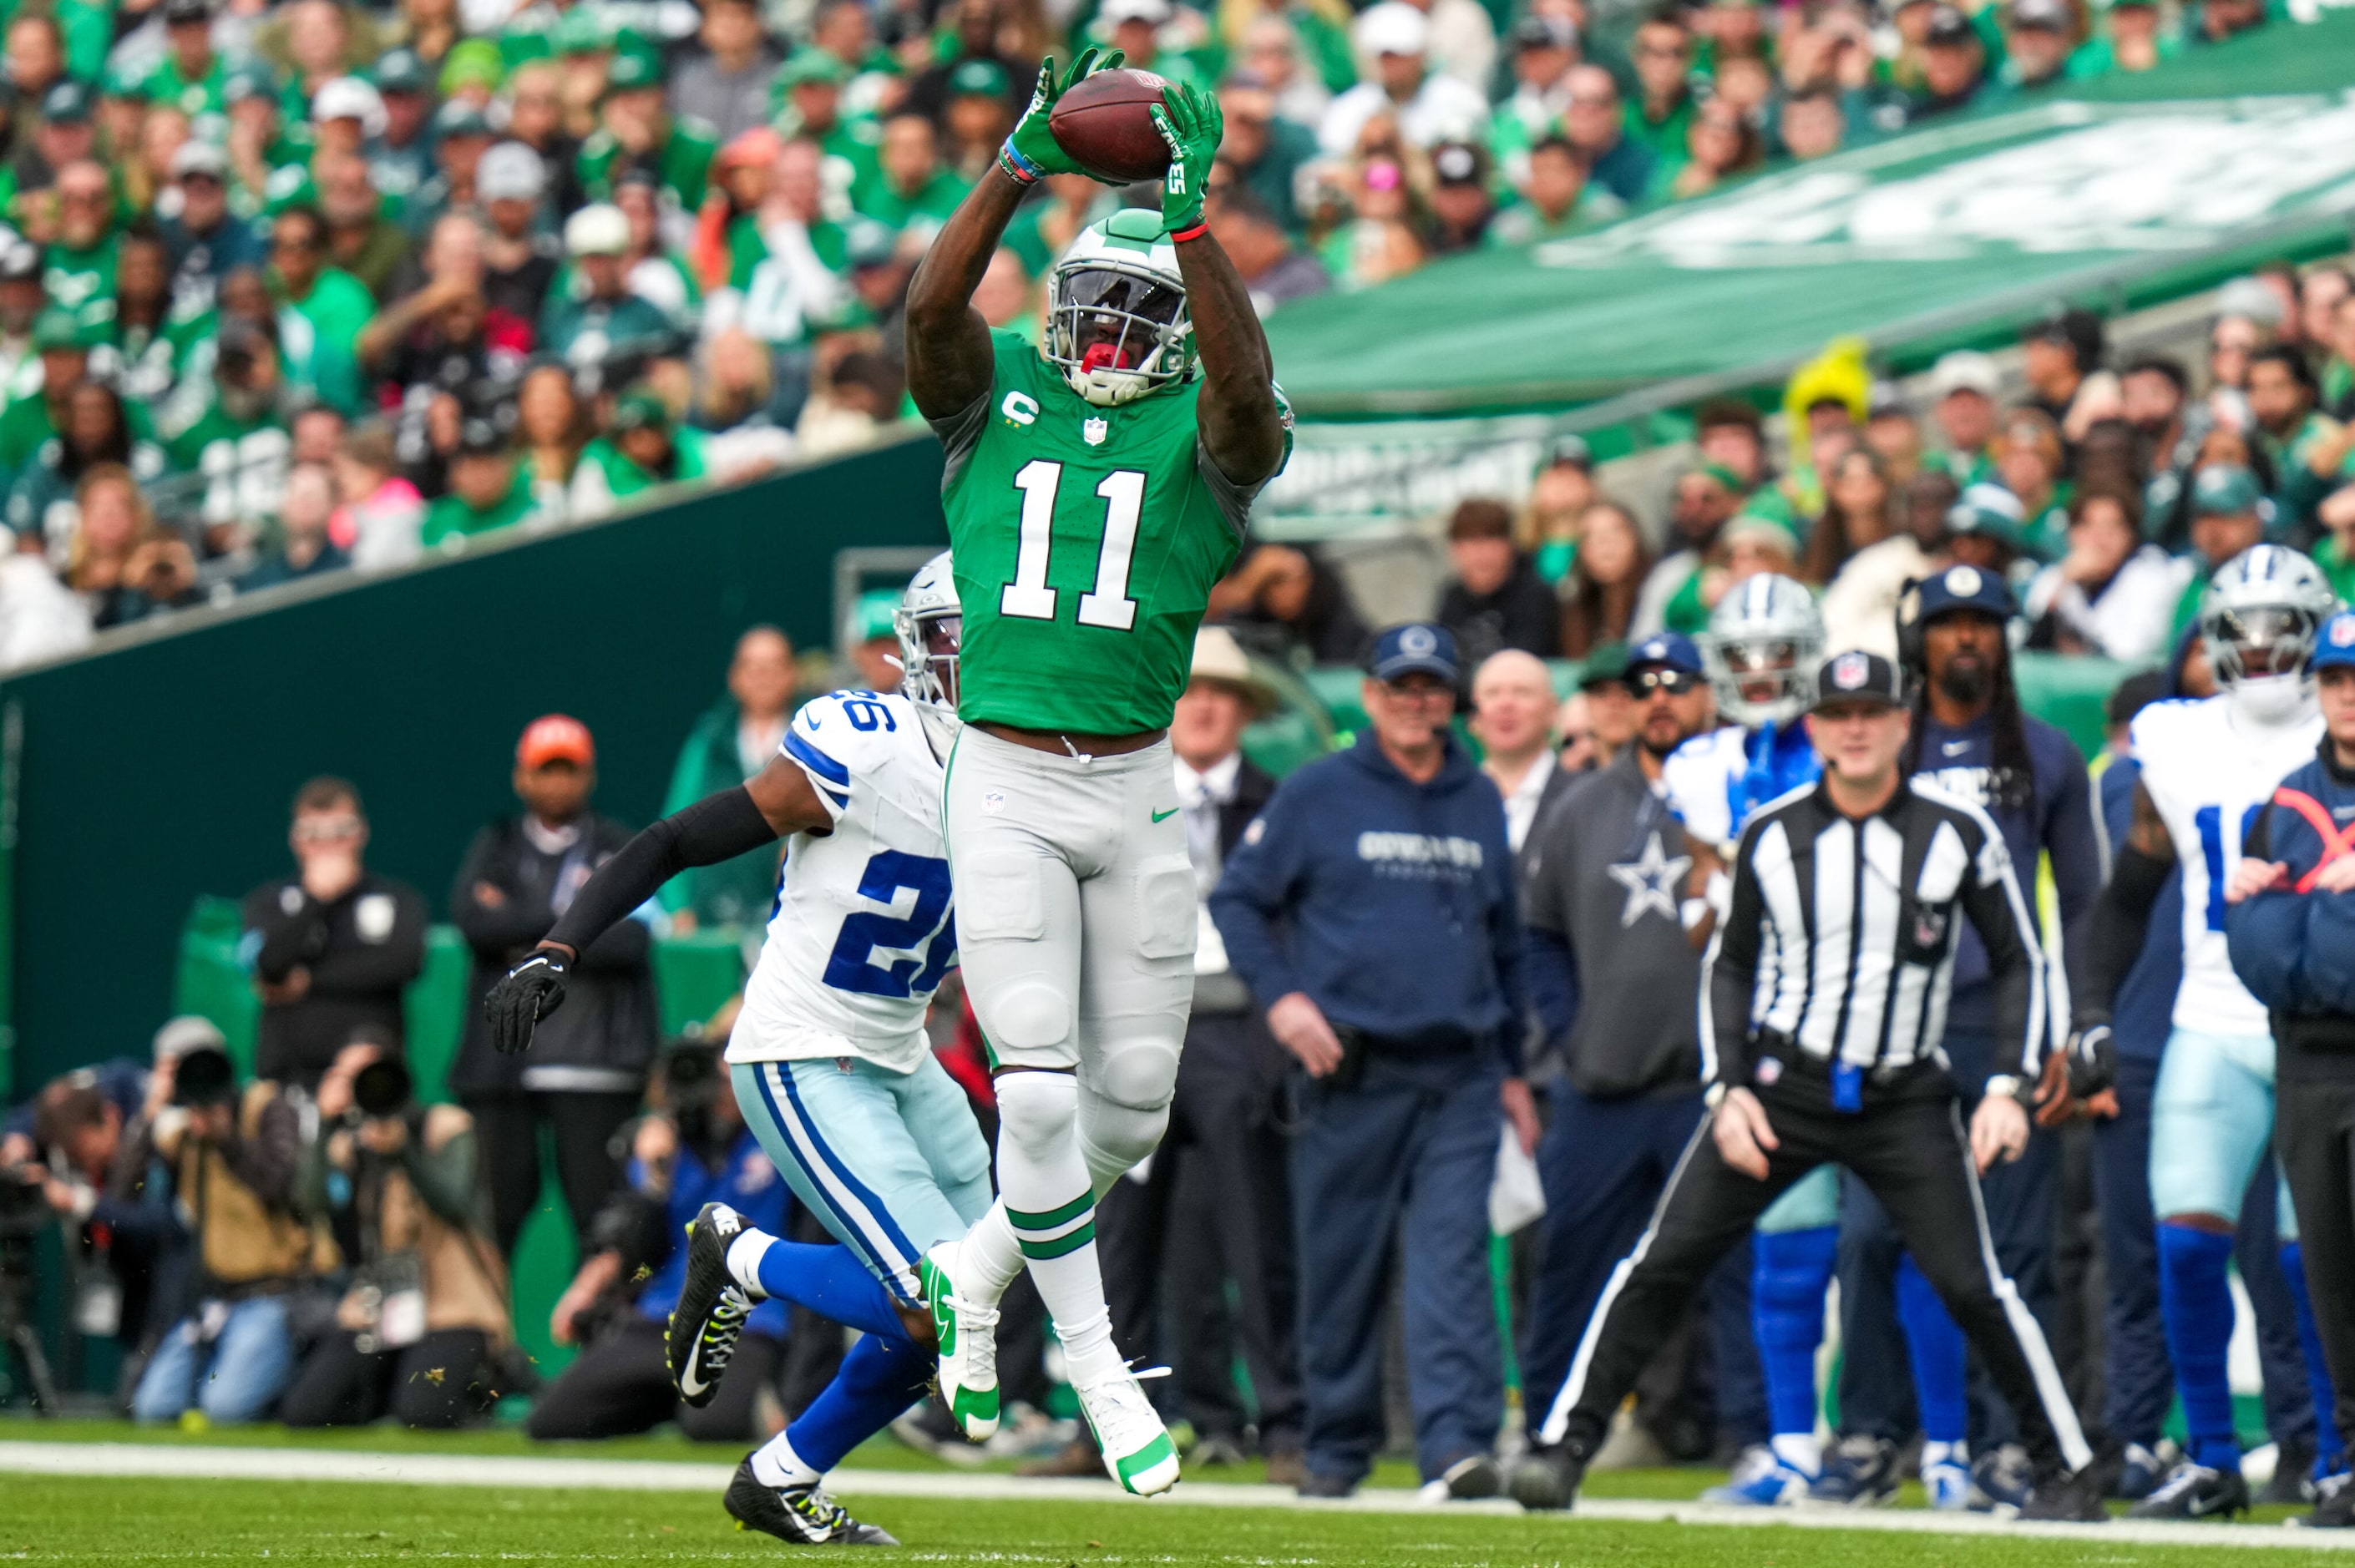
1052, 1209
744, 1255
1800, 1451
989, 1258
1945, 1452
775, 1464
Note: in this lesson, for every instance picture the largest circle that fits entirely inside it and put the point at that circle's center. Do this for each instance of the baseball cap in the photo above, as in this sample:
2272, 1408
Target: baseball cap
2046, 15
1963, 370
1987, 509
1966, 589
1761, 529
115, 82
1948, 26
197, 156
401, 70
247, 81
460, 118
1570, 452
601, 228
1535, 32
65, 103
641, 409
1857, 676
1887, 401
868, 243
977, 79
19, 263
1666, 651
510, 172
349, 97
1419, 647
632, 72
2223, 489
186, 1032
580, 31
1391, 27
481, 437
1605, 666
187, 11
1116, 11
813, 65
472, 62
2334, 645
2251, 301
1457, 164
555, 737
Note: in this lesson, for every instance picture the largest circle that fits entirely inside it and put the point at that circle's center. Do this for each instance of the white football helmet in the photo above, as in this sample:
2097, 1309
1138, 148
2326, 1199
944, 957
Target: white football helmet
930, 624
2259, 619
1764, 642
1116, 320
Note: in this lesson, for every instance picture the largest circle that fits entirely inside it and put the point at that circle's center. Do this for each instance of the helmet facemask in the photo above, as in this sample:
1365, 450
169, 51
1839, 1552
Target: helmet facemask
2260, 652
928, 643
1117, 332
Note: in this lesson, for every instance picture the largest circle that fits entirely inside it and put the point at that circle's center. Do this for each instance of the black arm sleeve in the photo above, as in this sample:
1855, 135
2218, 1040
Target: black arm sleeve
2114, 936
716, 828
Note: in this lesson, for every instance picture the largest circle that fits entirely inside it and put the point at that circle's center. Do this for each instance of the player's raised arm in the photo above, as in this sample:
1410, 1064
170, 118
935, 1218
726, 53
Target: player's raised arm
1243, 429
949, 356
774, 803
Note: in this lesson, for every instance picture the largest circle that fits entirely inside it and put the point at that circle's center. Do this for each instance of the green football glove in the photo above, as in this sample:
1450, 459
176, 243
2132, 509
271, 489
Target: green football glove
1190, 121
1032, 152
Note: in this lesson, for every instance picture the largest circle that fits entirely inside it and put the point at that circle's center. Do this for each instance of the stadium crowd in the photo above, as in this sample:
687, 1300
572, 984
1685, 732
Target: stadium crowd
291, 287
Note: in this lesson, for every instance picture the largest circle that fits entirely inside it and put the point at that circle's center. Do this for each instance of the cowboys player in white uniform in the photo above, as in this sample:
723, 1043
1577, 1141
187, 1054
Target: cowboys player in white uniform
830, 1061
2207, 767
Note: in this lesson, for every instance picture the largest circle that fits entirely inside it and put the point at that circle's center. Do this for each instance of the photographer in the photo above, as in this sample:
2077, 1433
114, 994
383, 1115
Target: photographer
331, 946
698, 1152
74, 1151
420, 1330
233, 1158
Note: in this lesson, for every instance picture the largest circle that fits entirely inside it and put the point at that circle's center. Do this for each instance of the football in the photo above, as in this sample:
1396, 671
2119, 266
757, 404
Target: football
1105, 124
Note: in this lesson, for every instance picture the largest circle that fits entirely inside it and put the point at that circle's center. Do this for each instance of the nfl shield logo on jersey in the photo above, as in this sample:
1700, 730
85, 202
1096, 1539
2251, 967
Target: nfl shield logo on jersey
1095, 430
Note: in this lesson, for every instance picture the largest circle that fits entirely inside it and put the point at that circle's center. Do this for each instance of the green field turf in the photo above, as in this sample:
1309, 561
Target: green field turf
109, 1524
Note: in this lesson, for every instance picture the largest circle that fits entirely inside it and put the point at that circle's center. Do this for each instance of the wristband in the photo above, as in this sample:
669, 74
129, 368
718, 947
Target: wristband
1195, 230
2003, 1084
1020, 169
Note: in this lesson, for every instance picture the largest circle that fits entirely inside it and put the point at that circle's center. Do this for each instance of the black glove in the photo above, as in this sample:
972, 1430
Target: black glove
2081, 1080
523, 996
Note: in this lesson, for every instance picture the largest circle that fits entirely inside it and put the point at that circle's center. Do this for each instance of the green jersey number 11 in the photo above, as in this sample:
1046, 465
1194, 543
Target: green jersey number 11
1107, 605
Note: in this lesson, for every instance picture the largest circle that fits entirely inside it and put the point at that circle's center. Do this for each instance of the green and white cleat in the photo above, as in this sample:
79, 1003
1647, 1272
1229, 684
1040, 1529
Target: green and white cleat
969, 1355
1136, 1447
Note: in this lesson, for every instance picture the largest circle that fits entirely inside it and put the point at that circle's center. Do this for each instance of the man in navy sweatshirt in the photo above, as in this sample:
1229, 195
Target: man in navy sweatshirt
2291, 927
1397, 986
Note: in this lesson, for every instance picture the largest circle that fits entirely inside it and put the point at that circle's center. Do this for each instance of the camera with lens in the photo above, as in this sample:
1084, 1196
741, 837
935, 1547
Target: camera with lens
380, 1089
204, 1076
692, 1073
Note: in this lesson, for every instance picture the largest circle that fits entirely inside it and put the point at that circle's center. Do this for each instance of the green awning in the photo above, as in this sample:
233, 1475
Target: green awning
2118, 193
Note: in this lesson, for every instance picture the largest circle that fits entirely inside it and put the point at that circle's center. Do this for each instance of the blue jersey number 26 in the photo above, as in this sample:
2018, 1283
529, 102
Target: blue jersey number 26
928, 930
2209, 820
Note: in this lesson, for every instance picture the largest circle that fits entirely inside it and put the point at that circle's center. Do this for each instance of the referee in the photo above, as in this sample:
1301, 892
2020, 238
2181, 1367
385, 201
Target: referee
1851, 895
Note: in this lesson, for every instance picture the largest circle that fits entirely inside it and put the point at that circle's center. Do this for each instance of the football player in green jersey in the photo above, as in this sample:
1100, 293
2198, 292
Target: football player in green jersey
1097, 485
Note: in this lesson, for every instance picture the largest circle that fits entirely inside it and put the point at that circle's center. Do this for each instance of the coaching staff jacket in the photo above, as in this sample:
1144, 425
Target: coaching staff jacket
2294, 947
1404, 920
1603, 878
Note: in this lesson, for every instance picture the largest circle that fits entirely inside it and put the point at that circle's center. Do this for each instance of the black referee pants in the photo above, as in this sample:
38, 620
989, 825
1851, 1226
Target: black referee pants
1907, 1146
2314, 1138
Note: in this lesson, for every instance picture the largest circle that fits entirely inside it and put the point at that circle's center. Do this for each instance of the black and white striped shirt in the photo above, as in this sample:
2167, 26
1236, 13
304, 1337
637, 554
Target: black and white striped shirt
1841, 941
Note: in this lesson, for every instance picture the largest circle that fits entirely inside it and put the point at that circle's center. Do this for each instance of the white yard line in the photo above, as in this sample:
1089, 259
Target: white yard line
131, 1461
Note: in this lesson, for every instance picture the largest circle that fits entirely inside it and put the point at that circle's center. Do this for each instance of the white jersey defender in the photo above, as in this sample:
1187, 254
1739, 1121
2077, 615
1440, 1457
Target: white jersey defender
863, 932
2207, 778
